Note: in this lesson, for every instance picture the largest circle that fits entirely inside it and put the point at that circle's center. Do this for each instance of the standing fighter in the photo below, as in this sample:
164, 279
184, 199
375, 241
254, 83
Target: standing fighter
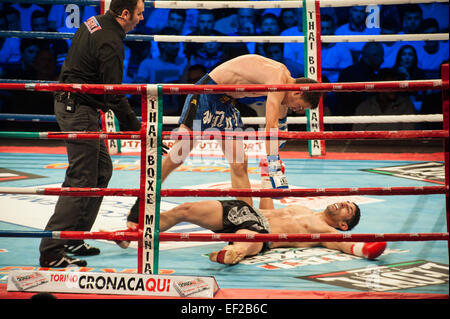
218, 111
95, 56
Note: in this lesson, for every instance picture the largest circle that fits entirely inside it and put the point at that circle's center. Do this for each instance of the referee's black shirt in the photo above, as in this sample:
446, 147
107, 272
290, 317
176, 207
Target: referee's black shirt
96, 57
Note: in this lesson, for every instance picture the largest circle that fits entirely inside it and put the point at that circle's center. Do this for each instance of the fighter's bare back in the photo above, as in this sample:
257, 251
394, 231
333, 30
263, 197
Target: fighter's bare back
251, 69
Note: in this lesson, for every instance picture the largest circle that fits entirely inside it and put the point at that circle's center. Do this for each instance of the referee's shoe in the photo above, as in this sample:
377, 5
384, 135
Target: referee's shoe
61, 261
80, 248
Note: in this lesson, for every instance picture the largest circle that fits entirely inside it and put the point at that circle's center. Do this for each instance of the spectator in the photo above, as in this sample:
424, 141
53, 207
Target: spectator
43, 68
174, 18
246, 22
385, 103
13, 19
135, 53
334, 56
438, 11
364, 70
269, 27
294, 50
406, 64
39, 22
226, 21
167, 67
210, 55
9, 47
412, 17
275, 52
246, 25
29, 49
390, 19
26, 10
205, 26
289, 18
390, 24
356, 26
175, 21
431, 54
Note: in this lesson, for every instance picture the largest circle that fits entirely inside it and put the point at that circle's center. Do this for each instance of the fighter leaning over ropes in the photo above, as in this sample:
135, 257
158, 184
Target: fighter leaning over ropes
245, 69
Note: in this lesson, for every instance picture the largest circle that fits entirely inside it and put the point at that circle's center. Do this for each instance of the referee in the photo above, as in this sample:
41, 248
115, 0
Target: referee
95, 57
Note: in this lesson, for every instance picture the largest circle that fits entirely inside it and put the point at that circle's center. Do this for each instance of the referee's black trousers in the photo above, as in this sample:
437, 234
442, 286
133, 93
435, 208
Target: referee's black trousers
89, 166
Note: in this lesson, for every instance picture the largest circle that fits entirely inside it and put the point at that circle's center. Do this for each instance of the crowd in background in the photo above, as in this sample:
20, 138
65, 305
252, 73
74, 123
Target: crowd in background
187, 62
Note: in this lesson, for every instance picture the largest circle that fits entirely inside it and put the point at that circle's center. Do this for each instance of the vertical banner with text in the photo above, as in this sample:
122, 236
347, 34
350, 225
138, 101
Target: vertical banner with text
109, 121
111, 124
311, 31
149, 204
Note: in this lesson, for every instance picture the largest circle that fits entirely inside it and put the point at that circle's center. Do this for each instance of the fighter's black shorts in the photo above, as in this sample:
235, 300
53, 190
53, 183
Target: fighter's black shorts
238, 214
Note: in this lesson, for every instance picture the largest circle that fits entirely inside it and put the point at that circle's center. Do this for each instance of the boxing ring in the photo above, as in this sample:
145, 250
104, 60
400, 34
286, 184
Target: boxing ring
379, 277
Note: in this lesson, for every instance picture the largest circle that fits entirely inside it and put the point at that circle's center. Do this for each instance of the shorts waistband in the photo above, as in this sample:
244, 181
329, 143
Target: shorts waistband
206, 79
264, 220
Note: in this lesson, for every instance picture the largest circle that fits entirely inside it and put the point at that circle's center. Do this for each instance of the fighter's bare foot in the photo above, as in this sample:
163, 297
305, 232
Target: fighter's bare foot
227, 257
121, 243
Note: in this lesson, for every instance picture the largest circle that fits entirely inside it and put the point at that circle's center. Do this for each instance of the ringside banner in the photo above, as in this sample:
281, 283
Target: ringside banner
112, 283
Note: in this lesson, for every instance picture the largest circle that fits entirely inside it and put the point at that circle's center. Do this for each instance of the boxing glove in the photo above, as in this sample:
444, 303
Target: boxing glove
264, 172
274, 170
368, 250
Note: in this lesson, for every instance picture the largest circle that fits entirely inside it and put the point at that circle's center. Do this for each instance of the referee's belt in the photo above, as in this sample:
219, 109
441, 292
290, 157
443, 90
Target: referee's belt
63, 97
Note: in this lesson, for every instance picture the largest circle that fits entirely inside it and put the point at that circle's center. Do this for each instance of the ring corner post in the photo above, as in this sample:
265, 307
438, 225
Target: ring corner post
104, 6
150, 184
159, 149
312, 41
445, 126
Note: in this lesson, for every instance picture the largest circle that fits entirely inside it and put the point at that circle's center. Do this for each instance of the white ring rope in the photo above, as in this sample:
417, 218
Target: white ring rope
339, 119
278, 4
300, 39
243, 39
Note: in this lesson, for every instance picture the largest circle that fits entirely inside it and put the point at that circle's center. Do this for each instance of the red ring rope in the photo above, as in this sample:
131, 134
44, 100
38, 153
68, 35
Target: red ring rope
137, 235
247, 135
328, 135
133, 236
241, 192
304, 192
217, 89
303, 237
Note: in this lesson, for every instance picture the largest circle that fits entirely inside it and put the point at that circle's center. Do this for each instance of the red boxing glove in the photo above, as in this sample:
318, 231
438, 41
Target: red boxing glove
368, 250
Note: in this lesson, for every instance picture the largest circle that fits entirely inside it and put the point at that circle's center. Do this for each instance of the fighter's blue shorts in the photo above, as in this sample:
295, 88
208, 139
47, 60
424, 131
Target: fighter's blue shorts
203, 111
